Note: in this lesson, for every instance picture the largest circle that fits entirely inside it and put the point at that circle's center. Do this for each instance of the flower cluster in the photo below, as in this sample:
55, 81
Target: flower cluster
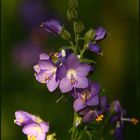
69, 70
69, 73
33, 126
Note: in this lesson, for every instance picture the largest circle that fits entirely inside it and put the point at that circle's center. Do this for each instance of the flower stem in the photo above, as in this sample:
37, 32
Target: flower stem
83, 51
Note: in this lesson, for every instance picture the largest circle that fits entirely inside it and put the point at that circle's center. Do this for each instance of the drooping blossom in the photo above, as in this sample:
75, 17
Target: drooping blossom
46, 72
100, 33
94, 48
73, 74
118, 118
96, 112
52, 26
33, 126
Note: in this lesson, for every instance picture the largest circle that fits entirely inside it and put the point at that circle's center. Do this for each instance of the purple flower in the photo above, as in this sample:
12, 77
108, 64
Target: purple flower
46, 72
100, 33
73, 74
117, 111
96, 112
36, 131
52, 26
118, 118
33, 126
88, 97
118, 132
94, 48
22, 118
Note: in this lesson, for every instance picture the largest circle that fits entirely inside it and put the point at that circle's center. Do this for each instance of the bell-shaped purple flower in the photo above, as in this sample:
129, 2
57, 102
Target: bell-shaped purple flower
94, 48
88, 97
52, 26
117, 112
100, 33
73, 74
46, 72
118, 132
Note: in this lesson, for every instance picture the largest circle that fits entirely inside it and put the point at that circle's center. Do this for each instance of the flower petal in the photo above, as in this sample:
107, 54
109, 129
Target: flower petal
52, 84
84, 111
37, 68
22, 118
65, 85
41, 76
72, 61
93, 101
83, 69
41, 136
31, 129
44, 126
82, 82
95, 88
62, 70
44, 56
45, 65
89, 117
78, 105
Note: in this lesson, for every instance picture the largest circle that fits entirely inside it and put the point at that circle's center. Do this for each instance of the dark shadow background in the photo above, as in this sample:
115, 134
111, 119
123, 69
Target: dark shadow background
23, 40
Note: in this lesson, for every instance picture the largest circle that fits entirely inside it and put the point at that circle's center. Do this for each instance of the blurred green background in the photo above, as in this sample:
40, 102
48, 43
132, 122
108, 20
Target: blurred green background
23, 40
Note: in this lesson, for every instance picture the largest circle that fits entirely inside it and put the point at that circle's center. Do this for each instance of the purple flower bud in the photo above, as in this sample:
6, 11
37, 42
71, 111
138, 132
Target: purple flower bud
52, 26
100, 33
118, 132
94, 48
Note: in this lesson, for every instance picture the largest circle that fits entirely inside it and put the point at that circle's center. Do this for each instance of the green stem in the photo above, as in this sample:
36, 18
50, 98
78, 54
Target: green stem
83, 51
73, 133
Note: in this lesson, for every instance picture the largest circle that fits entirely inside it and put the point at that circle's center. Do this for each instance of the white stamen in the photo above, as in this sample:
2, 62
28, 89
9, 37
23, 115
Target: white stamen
63, 53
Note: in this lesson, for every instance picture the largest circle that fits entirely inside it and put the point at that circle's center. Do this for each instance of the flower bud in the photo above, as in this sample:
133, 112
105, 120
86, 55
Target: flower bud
65, 34
72, 14
89, 35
